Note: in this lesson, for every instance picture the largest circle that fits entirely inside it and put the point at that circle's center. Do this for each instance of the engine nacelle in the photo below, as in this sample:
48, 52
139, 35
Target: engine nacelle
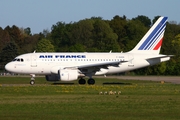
68, 75
63, 75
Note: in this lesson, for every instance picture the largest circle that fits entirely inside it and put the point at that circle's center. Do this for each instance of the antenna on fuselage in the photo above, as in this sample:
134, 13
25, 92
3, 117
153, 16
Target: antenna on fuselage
34, 51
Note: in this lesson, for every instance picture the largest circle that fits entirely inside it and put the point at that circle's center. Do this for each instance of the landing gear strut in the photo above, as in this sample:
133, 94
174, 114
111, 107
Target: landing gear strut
32, 81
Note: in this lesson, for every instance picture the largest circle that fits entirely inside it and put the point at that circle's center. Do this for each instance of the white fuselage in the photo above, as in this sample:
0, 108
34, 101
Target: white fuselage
49, 63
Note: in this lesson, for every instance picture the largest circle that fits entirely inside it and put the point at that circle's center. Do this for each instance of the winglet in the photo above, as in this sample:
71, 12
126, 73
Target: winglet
152, 40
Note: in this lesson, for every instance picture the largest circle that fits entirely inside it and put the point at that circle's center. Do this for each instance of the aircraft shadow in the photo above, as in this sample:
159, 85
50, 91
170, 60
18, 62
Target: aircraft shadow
116, 83
62, 83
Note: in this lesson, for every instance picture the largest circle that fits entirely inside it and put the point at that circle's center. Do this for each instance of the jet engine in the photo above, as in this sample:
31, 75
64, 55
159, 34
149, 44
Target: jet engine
63, 75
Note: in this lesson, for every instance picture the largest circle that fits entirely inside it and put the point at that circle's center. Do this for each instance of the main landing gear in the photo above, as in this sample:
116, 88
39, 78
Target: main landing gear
32, 81
90, 81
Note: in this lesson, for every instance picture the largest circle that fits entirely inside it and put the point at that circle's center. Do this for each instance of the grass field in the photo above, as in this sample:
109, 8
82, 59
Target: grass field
138, 100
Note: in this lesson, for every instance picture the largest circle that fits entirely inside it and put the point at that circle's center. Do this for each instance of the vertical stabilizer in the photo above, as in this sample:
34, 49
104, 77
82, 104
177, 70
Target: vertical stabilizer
152, 40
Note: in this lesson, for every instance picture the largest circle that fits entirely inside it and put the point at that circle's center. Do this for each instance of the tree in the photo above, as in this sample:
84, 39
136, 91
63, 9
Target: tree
135, 31
77, 48
10, 51
171, 33
160, 69
46, 33
45, 45
119, 24
171, 67
82, 33
15, 34
144, 20
30, 43
176, 45
104, 37
4, 39
27, 31
61, 36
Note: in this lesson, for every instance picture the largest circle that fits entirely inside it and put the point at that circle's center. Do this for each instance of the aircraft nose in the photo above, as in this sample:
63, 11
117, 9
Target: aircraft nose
8, 67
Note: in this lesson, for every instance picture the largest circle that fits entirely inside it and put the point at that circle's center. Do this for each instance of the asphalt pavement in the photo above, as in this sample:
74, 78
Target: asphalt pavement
172, 79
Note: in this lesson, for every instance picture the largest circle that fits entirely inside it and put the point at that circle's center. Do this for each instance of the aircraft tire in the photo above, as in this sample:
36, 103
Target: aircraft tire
32, 82
91, 81
82, 81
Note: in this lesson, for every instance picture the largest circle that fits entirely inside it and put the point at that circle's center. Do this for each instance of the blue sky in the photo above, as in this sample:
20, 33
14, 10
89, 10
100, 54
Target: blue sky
42, 14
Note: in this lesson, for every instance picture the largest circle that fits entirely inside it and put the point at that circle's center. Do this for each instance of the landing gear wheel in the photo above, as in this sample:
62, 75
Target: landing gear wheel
91, 81
32, 82
82, 81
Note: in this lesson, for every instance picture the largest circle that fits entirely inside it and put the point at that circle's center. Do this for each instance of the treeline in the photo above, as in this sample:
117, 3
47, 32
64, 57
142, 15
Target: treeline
92, 35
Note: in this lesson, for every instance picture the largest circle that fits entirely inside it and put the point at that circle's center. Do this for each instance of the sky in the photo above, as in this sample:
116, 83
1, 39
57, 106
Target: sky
42, 14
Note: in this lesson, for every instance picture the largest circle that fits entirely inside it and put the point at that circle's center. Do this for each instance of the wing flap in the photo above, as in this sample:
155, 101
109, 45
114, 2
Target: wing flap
101, 65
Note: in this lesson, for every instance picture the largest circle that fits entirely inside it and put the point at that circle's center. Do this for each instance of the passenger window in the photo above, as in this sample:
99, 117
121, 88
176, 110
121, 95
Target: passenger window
22, 60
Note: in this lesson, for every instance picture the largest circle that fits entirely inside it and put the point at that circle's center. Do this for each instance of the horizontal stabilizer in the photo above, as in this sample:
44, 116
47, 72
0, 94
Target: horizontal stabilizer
160, 56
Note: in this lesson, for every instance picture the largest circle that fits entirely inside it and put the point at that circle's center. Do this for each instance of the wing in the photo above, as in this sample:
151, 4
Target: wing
88, 68
91, 69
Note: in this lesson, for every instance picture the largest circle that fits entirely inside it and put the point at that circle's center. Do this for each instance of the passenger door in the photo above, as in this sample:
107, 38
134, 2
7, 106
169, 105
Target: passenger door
33, 61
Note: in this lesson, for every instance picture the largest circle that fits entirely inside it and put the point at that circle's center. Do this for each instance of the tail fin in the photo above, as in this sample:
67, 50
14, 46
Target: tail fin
152, 40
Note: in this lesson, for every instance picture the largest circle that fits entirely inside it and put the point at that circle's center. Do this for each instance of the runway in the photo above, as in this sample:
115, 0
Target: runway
172, 79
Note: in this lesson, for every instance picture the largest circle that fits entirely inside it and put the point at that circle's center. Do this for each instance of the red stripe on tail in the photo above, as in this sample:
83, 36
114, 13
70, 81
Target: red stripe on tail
158, 45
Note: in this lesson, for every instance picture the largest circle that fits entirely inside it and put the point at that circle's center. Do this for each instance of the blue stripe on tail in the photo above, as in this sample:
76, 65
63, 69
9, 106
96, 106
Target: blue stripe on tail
151, 39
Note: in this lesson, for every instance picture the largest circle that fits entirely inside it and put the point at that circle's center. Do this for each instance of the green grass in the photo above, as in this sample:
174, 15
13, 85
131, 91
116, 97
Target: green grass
138, 100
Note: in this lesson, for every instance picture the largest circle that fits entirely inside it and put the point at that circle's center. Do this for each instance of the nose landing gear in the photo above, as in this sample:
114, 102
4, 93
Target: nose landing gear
32, 81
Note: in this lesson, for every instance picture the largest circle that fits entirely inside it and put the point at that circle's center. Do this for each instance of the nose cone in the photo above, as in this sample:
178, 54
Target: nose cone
9, 67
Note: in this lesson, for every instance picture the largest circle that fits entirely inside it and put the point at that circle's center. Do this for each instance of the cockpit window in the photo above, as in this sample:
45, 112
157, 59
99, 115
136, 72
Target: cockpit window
19, 59
15, 59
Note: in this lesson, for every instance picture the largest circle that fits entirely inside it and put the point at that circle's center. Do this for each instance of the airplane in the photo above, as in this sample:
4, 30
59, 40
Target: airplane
71, 66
